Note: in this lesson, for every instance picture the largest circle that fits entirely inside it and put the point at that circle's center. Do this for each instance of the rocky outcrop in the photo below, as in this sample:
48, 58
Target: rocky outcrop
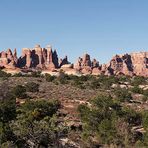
140, 63
129, 64
63, 61
38, 58
120, 64
8, 60
46, 59
86, 66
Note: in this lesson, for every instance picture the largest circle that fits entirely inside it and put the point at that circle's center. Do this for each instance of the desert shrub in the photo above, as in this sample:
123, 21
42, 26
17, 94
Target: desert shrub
108, 122
32, 87
98, 121
78, 84
7, 107
84, 78
19, 91
138, 80
145, 119
18, 75
37, 123
32, 123
63, 78
107, 81
49, 78
40, 109
83, 81
122, 94
73, 77
132, 117
136, 89
7, 114
124, 78
36, 74
4, 74
95, 84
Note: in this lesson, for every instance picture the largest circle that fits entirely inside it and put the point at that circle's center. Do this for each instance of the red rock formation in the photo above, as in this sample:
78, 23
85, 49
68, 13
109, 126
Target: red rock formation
7, 60
140, 63
49, 64
3, 59
95, 63
86, 60
78, 64
55, 59
46, 59
63, 61
11, 65
9, 54
44, 56
15, 56
28, 59
84, 64
136, 63
39, 54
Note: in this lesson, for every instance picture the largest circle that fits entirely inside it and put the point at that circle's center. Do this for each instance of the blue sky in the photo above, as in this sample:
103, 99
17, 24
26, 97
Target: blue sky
101, 28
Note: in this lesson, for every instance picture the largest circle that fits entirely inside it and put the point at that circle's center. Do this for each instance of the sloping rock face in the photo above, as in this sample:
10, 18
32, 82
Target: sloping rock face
46, 59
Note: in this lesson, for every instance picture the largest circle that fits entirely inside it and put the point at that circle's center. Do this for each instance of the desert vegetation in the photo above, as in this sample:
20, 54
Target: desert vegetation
73, 111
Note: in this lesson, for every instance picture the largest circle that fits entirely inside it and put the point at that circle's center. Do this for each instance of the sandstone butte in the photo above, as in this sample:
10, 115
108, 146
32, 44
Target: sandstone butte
46, 60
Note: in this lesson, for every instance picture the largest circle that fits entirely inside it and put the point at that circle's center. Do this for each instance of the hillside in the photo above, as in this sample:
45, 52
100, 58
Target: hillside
123, 101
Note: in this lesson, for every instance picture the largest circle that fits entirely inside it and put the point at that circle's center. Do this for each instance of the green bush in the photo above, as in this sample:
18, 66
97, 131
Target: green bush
99, 120
138, 80
123, 94
132, 117
63, 78
107, 81
95, 84
40, 109
7, 114
109, 123
84, 78
124, 78
78, 84
36, 74
145, 119
37, 123
49, 78
136, 89
20, 91
7, 108
18, 75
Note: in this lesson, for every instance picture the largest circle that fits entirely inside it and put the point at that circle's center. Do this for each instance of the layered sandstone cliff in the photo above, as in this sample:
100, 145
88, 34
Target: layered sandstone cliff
46, 59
